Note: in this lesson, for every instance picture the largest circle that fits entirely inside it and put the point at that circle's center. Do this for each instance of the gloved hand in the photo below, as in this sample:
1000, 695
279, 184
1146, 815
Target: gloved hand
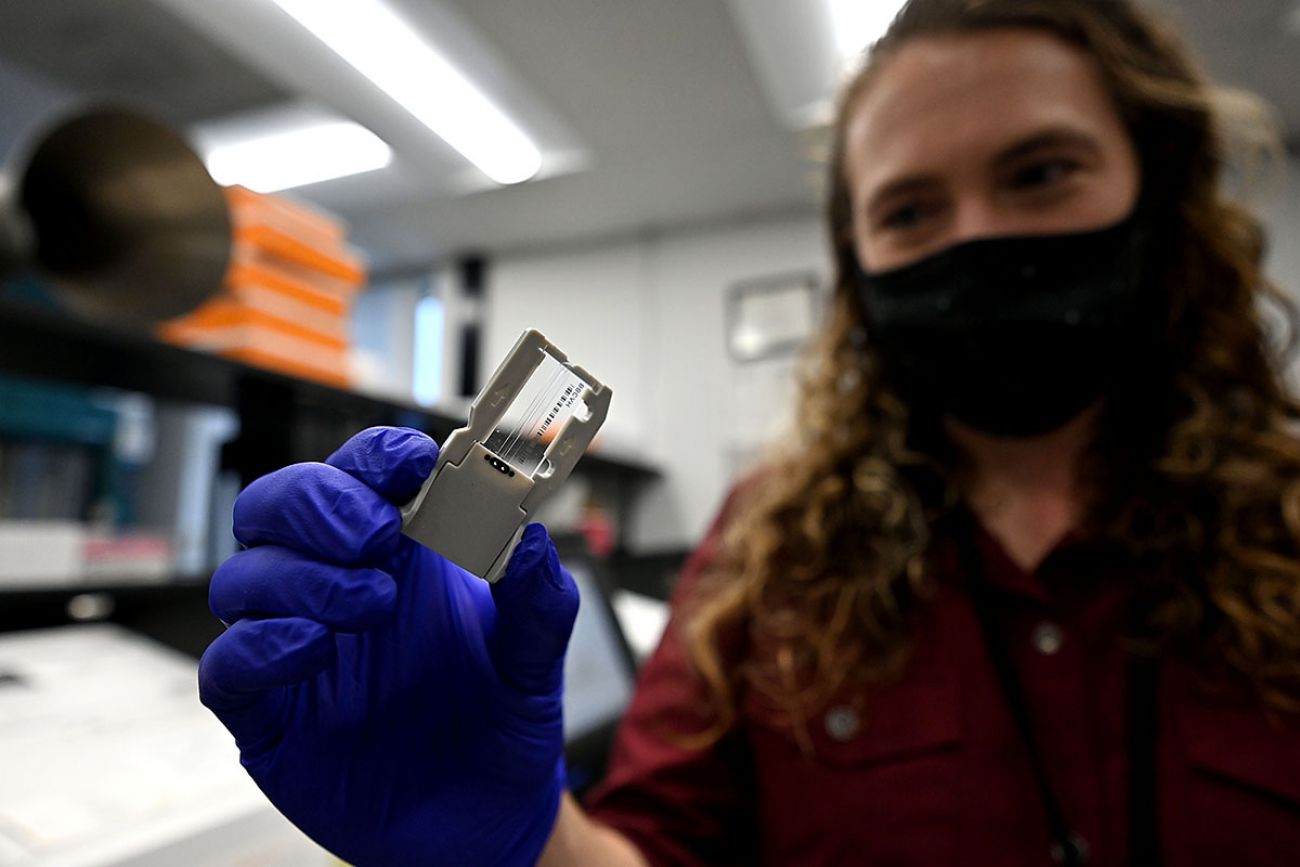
396, 708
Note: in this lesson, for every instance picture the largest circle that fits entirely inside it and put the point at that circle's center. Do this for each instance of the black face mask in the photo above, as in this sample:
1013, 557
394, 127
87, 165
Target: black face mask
1012, 336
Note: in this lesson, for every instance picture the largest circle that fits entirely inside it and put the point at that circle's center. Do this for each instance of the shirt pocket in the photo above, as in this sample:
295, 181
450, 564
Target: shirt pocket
873, 783
1242, 799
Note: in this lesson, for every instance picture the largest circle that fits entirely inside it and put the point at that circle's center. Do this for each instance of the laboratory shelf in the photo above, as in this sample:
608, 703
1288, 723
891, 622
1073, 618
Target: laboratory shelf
283, 419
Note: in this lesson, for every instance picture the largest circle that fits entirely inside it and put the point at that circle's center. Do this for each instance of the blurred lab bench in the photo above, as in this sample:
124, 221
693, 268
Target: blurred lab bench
109, 759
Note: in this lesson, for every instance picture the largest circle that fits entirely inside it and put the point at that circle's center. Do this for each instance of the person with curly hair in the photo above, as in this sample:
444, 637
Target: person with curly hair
1021, 587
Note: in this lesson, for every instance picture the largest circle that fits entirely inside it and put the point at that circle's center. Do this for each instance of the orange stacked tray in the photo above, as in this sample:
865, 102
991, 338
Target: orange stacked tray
287, 294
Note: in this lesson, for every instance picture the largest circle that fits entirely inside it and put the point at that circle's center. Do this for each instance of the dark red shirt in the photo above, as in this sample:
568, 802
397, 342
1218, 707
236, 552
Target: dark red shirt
932, 770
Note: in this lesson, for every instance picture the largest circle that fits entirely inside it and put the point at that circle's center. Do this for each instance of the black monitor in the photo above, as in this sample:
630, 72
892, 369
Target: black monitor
599, 670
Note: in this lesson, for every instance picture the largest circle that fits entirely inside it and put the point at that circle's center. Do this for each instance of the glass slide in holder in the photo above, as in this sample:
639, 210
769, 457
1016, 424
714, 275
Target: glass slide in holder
527, 429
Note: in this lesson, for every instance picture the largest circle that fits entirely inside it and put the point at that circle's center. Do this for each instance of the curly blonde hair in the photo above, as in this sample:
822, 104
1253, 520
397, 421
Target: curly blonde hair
823, 563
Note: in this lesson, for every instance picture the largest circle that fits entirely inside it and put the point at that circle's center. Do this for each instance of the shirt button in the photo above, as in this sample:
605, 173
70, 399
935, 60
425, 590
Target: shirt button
1082, 853
842, 723
1047, 638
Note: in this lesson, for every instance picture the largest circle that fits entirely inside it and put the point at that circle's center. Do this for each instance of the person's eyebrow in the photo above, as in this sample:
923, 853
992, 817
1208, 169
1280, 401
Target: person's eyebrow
1055, 137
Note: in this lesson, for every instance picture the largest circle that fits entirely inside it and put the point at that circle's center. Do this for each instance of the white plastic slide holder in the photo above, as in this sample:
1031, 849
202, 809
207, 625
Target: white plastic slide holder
527, 428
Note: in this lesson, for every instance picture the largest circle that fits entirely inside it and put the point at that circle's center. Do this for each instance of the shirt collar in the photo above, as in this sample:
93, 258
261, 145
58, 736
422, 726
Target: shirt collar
1071, 557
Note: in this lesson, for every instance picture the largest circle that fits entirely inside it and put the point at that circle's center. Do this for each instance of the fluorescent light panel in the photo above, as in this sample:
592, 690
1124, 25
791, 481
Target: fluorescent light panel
383, 48
858, 23
299, 156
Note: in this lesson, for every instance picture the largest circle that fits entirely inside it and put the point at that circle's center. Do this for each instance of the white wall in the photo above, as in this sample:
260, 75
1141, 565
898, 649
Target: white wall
30, 102
1280, 209
708, 405
593, 305
647, 316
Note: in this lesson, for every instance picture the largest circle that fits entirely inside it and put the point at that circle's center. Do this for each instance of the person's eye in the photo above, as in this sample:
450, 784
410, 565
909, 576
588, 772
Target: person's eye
903, 218
1043, 174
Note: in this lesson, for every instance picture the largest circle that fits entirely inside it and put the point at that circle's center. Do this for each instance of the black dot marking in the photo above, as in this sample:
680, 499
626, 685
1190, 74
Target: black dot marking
500, 465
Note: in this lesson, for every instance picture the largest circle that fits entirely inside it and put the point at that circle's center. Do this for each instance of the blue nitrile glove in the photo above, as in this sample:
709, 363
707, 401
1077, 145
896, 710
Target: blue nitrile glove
396, 708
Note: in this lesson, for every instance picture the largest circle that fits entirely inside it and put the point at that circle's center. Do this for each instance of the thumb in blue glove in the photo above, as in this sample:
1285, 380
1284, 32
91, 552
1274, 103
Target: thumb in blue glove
393, 706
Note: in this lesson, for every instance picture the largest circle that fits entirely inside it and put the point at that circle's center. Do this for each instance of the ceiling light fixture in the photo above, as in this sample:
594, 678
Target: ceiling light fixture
857, 24
296, 157
384, 48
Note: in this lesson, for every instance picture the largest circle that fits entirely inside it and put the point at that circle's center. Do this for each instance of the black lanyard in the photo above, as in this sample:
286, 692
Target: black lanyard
1068, 848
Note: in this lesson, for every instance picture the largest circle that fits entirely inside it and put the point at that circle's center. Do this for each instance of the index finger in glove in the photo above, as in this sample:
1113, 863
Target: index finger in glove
321, 511
394, 461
